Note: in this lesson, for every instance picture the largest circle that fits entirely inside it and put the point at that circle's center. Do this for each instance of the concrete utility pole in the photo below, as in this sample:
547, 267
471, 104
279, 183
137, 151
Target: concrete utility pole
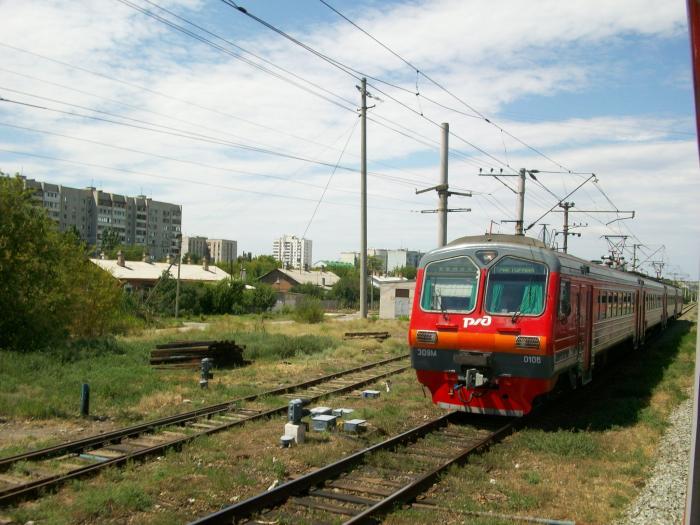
565, 231
520, 193
634, 256
442, 194
443, 190
363, 200
520, 209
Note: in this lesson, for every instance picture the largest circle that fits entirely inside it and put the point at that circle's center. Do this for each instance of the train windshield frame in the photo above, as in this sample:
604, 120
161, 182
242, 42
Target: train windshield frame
450, 285
516, 286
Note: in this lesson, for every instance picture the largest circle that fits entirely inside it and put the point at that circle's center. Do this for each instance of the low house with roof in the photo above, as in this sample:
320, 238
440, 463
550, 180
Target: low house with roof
284, 280
144, 274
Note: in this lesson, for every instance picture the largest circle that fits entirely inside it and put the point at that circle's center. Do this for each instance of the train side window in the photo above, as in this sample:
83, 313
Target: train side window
603, 305
611, 305
564, 300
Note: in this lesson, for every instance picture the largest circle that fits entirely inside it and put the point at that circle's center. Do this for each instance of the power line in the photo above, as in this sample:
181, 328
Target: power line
178, 179
262, 126
436, 83
237, 56
180, 133
353, 73
192, 162
330, 178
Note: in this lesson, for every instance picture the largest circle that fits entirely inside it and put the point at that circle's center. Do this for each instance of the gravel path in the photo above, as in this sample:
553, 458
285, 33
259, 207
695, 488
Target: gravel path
662, 500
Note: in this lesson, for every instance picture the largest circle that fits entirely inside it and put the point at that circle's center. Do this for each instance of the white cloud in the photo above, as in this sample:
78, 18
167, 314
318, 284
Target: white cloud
489, 54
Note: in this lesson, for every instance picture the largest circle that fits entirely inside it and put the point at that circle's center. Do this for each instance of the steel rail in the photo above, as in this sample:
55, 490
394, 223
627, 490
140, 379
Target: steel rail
303, 484
135, 430
25, 490
284, 491
420, 485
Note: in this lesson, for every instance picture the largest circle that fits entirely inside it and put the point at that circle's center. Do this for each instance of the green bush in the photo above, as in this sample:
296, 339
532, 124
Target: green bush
309, 310
261, 299
49, 289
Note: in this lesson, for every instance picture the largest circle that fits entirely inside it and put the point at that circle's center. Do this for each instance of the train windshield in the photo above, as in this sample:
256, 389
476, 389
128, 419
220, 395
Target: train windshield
450, 285
516, 286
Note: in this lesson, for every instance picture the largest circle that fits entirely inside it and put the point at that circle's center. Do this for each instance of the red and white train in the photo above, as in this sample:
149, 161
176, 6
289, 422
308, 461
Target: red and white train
497, 320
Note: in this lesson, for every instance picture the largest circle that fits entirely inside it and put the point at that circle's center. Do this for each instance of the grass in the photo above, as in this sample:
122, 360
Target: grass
584, 463
223, 468
125, 389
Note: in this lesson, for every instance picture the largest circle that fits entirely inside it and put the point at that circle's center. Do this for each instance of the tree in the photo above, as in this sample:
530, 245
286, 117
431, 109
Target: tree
409, 272
49, 289
227, 297
110, 240
375, 265
309, 289
347, 289
260, 299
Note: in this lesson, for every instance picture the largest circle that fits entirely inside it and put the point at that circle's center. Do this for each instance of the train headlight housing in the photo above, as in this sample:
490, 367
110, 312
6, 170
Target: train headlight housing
426, 336
527, 341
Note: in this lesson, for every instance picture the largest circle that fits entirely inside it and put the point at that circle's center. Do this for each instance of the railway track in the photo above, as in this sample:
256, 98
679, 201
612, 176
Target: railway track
26, 475
367, 484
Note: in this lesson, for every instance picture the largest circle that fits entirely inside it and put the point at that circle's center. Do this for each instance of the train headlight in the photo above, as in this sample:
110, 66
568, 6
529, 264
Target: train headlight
426, 336
527, 341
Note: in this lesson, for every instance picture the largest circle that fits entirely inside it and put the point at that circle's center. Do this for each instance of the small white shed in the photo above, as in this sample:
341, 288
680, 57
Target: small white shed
396, 299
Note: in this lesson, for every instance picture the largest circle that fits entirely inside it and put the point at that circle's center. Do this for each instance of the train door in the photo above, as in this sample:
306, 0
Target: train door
640, 325
583, 330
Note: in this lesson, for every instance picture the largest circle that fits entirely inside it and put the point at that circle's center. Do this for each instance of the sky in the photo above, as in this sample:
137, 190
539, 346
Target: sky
202, 105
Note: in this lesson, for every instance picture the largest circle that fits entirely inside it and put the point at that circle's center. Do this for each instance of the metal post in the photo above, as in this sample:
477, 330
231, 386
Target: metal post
85, 400
363, 201
520, 209
177, 287
443, 193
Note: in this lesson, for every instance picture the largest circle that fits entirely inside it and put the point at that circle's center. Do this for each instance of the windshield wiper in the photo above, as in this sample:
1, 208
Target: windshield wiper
515, 316
443, 308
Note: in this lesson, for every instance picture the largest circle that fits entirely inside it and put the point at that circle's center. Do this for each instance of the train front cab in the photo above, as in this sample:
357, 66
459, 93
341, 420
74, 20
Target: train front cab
481, 327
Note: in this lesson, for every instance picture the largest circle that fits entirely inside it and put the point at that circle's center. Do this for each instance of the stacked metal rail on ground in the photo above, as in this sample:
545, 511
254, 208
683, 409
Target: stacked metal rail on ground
189, 354
379, 336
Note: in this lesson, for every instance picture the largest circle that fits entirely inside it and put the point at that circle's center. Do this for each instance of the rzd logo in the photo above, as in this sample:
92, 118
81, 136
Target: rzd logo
483, 321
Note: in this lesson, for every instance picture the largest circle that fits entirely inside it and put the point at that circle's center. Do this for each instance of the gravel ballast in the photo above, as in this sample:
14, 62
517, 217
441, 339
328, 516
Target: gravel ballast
662, 499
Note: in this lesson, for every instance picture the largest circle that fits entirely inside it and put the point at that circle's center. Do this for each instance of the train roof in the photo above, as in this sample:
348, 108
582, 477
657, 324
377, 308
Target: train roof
534, 249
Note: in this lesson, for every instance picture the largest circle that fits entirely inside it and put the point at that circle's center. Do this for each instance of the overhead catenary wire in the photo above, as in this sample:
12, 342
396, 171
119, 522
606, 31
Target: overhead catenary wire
441, 86
351, 72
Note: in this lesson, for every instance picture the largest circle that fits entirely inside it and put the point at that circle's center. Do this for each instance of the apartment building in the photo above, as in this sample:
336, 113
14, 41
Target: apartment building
292, 251
138, 221
194, 246
222, 250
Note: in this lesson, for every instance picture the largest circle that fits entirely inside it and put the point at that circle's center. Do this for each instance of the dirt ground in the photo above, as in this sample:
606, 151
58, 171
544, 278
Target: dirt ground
30, 433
